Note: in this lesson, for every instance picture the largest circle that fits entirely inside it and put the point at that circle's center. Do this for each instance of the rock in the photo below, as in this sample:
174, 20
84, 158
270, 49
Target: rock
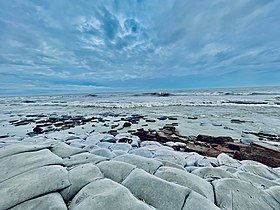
83, 158
212, 139
155, 191
147, 164
150, 143
237, 194
170, 164
63, 150
186, 179
192, 159
52, 201
261, 170
256, 180
38, 130
126, 124
224, 159
115, 170
207, 162
22, 162
274, 192
106, 145
119, 152
106, 194
103, 152
20, 148
144, 152
95, 138
171, 156
196, 201
79, 177
122, 146
211, 173
43, 180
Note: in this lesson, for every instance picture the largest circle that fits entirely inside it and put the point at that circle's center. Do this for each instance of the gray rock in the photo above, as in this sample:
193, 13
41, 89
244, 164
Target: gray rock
103, 152
95, 138
51, 201
173, 165
237, 194
150, 143
83, 158
106, 194
212, 173
147, 164
22, 162
228, 169
256, 180
121, 146
224, 159
79, 177
157, 192
115, 170
135, 140
261, 170
207, 162
191, 168
106, 145
119, 152
142, 152
196, 201
274, 192
186, 179
63, 150
192, 159
20, 148
171, 156
32, 184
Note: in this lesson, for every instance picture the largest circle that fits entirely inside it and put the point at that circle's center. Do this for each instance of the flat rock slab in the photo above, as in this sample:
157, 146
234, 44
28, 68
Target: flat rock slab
196, 201
52, 201
83, 158
237, 194
64, 150
32, 184
188, 180
256, 180
20, 148
262, 171
157, 192
211, 173
115, 170
22, 162
106, 194
147, 164
79, 177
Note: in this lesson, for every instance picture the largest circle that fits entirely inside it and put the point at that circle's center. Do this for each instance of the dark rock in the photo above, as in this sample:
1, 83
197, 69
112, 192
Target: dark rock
212, 139
150, 120
172, 118
237, 121
126, 124
162, 118
37, 130
192, 118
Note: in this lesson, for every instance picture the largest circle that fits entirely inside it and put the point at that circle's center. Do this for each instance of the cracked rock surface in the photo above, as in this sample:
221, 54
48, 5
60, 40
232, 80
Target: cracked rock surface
61, 174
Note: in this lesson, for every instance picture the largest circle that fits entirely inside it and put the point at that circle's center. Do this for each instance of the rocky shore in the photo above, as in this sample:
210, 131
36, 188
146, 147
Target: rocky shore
142, 169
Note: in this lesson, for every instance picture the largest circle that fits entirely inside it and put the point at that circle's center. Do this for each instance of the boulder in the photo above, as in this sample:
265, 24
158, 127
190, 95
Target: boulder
121, 146
212, 173
20, 148
171, 156
95, 138
83, 158
32, 184
261, 170
236, 194
157, 192
196, 201
22, 162
144, 152
186, 179
103, 152
192, 159
115, 170
106, 194
51, 201
79, 177
63, 150
147, 164
224, 159
256, 180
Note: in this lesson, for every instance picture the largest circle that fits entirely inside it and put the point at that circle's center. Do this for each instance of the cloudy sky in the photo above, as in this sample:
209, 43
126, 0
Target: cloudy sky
71, 46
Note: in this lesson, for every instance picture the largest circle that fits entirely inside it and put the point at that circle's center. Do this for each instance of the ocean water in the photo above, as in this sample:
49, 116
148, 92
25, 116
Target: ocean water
197, 111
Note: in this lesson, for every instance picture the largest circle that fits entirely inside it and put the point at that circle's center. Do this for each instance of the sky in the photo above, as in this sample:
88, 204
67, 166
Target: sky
81, 46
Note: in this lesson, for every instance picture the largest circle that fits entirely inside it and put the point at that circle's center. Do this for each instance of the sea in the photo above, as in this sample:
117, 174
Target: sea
231, 112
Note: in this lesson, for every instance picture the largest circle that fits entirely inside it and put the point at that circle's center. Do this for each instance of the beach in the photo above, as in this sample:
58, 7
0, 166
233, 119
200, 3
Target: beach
181, 149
